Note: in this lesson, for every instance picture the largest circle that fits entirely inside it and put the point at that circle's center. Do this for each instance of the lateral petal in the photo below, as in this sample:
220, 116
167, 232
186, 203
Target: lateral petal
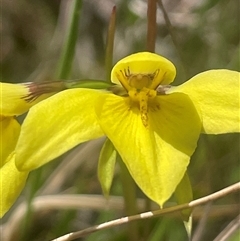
216, 95
157, 156
12, 183
9, 133
56, 125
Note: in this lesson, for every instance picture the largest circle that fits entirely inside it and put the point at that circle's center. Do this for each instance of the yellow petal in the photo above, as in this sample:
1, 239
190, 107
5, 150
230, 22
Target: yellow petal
144, 67
157, 156
56, 125
12, 183
16, 99
216, 94
12, 99
9, 131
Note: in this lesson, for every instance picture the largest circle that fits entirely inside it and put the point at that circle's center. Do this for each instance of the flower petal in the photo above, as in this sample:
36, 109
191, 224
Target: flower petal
16, 99
12, 183
157, 156
216, 94
10, 130
56, 125
145, 63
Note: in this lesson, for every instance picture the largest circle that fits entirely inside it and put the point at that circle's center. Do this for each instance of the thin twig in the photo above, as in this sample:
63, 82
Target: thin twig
229, 230
71, 236
47, 203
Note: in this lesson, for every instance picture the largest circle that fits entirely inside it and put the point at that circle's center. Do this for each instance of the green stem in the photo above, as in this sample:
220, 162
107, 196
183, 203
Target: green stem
151, 41
34, 186
130, 200
152, 25
87, 83
67, 54
110, 44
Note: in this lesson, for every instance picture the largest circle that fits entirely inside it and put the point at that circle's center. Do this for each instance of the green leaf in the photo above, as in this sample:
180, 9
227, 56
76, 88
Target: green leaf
183, 194
188, 226
106, 164
68, 51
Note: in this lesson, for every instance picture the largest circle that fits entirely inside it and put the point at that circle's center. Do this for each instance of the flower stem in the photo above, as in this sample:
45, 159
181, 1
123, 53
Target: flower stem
110, 44
152, 25
130, 199
67, 54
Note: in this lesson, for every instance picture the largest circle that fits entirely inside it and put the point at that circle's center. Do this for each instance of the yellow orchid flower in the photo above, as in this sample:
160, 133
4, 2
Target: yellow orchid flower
154, 127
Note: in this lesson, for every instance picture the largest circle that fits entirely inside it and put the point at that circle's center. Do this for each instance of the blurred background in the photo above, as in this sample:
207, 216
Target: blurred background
207, 34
